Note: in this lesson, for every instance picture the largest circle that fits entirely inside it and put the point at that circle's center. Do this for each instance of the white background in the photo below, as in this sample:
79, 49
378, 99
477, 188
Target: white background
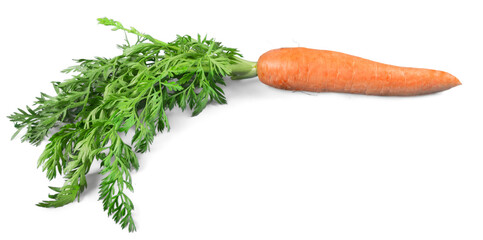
270, 164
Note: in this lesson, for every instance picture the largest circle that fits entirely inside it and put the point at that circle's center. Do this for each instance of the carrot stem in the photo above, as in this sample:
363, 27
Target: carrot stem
243, 69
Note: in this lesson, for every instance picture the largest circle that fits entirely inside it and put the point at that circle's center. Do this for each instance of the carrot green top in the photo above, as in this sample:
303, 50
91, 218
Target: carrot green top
108, 96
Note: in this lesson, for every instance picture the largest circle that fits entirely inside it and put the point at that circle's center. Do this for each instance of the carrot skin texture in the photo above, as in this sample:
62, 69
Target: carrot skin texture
305, 69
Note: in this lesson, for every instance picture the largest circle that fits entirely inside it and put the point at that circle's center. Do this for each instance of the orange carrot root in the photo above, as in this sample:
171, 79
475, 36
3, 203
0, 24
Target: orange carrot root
304, 69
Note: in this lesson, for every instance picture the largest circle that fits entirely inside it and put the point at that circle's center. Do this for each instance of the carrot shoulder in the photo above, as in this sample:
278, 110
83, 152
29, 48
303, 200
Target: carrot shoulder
304, 69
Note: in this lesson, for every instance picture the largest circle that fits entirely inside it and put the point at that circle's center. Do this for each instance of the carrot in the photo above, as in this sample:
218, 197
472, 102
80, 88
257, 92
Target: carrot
304, 69
136, 89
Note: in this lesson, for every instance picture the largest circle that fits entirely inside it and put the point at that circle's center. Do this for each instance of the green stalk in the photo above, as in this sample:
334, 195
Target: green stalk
243, 69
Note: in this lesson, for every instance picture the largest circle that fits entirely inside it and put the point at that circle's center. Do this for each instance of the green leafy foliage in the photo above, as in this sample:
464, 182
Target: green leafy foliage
109, 96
